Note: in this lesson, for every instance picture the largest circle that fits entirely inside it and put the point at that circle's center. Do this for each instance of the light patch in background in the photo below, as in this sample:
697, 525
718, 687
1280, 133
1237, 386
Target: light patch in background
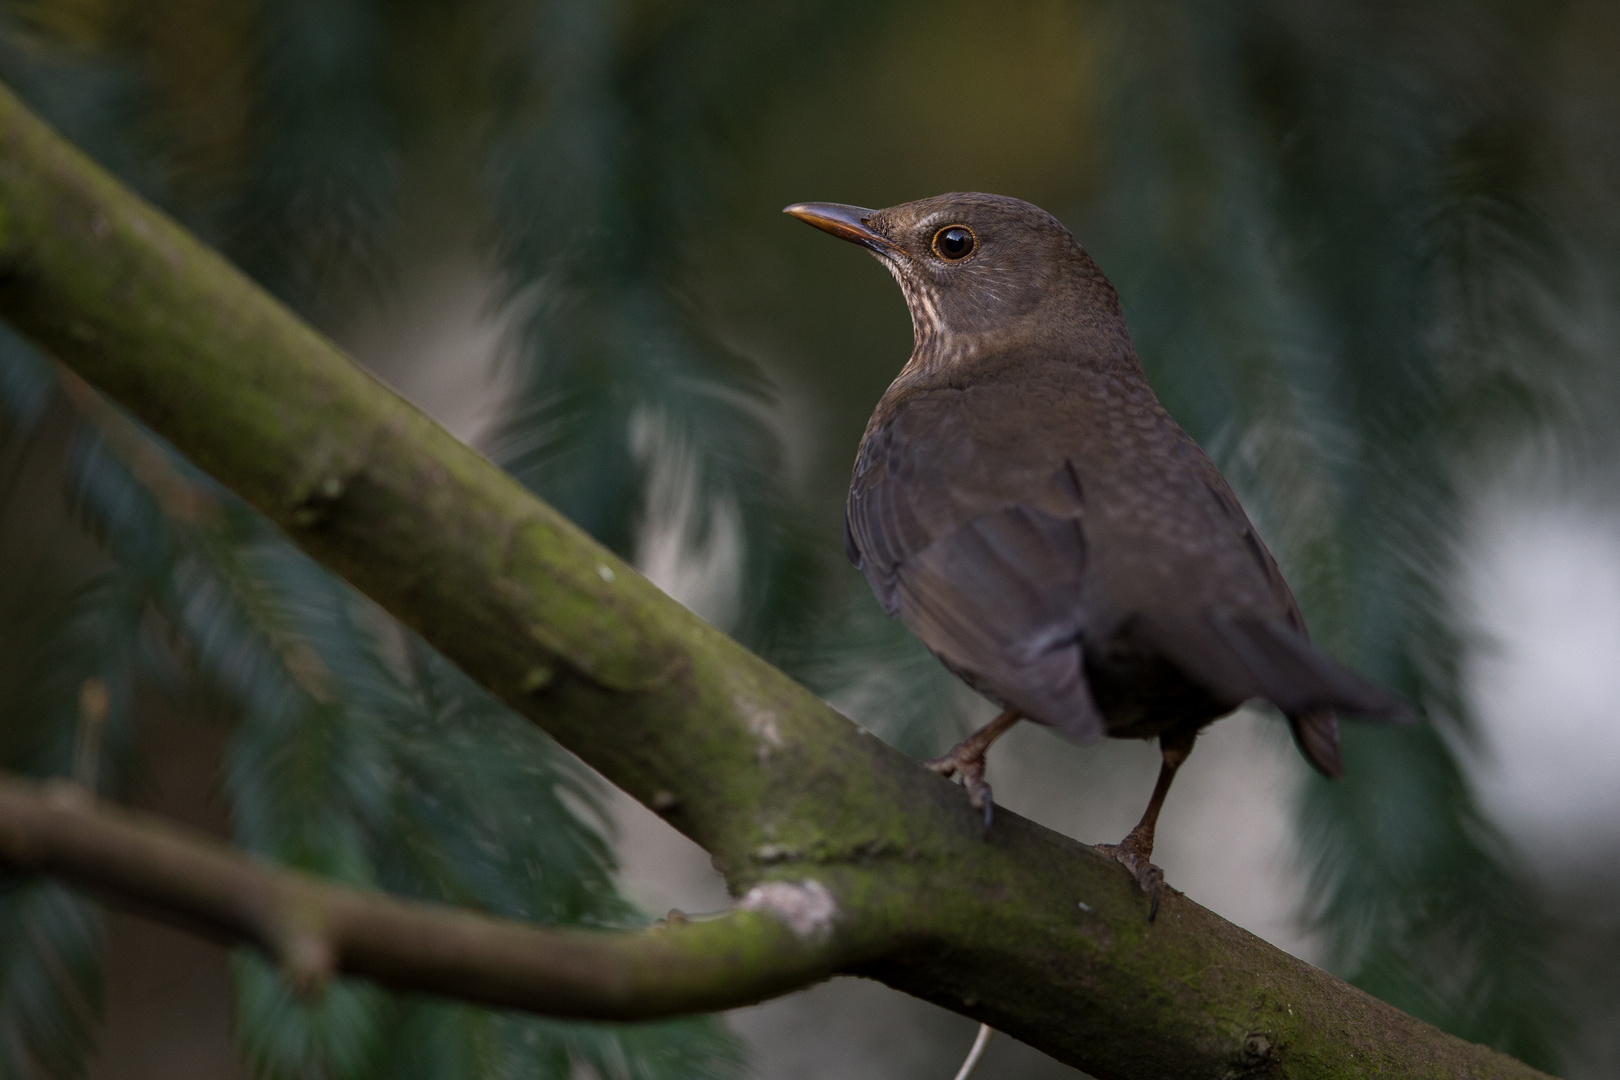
700, 567
436, 339
1543, 582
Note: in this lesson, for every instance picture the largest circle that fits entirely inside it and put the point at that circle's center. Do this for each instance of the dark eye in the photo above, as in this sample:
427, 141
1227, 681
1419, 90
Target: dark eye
954, 242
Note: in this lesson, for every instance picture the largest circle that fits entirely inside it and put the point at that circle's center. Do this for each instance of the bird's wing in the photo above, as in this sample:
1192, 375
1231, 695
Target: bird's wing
986, 569
935, 465
999, 601
991, 569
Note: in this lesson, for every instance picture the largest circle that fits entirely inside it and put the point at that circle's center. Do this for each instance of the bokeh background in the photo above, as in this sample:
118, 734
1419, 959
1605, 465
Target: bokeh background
1370, 256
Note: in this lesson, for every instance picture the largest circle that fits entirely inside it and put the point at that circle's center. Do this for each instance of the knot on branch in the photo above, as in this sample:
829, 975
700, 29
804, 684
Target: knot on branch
66, 796
307, 962
300, 937
1257, 1057
805, 907
315, 507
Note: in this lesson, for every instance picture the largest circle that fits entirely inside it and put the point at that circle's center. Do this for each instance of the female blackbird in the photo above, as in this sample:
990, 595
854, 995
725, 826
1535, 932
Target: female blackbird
1025, 504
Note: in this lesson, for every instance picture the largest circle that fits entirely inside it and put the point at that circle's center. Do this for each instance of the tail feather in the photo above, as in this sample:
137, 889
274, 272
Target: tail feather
1317, 734
1238, 659
1298, 677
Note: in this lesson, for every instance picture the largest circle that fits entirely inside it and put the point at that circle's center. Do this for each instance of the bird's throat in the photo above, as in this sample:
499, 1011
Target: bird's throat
935, 344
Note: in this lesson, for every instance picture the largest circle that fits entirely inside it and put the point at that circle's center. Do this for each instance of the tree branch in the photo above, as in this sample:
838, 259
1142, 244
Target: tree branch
1026, 930
773, 942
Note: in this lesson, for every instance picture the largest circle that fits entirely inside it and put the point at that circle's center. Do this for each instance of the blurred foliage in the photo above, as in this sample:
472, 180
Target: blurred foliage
356, 752
1364, 250
50, 977
1358, 288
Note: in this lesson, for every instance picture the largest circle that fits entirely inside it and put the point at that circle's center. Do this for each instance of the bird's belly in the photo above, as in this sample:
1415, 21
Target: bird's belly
1141, 695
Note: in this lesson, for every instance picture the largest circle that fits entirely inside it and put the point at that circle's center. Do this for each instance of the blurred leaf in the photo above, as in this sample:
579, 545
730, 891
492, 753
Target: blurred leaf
27, 386
488, 812
666, 1050
324, 177
50, 979
338, 1035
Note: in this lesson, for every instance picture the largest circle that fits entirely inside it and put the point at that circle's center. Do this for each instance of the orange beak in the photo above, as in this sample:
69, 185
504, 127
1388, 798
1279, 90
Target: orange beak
844, 222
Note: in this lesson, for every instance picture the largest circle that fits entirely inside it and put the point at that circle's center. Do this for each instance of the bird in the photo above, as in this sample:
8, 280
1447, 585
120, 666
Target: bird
1026, 506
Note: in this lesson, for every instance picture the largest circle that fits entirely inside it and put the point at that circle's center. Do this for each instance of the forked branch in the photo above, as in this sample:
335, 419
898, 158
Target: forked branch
772, 942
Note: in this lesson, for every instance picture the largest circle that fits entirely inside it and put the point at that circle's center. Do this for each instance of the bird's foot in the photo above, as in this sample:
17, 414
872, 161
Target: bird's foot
968, 763
1134, 859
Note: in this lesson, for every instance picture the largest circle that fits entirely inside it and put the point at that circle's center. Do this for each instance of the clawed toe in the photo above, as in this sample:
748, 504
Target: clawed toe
971, 769
966, 760
979, 797
1148, 876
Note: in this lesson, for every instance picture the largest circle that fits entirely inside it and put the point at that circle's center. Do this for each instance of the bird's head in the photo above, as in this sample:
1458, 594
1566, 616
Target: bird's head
978, 269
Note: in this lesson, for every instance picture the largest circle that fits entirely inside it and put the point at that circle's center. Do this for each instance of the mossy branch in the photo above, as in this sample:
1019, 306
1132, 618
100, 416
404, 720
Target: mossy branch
314, 930
1024, 929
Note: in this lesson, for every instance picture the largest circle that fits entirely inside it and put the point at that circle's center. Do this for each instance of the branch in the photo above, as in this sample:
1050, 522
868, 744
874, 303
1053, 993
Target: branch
1026, 930
773, 942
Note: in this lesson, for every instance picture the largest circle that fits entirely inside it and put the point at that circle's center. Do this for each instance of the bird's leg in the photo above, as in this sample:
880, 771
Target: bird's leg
1136, 850
967, 758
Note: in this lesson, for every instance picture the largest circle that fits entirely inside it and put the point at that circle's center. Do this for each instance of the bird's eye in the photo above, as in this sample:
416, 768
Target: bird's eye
954, 243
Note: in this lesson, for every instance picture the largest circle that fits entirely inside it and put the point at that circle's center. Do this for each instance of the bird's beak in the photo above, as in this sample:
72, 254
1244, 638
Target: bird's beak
844, 222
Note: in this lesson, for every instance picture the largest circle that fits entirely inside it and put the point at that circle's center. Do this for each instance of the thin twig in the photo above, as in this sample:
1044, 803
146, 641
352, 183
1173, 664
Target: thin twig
94, 701
979, 1043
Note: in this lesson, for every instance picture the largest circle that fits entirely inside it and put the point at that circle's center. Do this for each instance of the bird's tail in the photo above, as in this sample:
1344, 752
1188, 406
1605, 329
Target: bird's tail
1317, 735
1238, 658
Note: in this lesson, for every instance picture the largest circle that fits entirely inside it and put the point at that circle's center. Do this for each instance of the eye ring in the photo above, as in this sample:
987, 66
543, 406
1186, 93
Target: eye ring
953, 243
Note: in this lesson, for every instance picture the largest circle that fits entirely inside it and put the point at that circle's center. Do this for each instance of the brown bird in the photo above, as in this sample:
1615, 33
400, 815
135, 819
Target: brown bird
1028, 508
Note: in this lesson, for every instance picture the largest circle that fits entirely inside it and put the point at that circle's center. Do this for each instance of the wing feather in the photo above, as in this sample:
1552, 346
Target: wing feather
999, 601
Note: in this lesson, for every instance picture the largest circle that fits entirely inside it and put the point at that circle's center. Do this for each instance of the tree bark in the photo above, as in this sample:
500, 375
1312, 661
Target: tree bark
768, 945
1023, 929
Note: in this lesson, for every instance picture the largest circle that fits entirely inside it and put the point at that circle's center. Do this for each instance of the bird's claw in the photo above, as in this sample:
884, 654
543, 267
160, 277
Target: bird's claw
970, 767
1148, 876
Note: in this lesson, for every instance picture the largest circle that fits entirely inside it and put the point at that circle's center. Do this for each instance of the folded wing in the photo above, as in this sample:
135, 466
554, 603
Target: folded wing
987, 571
991, 571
